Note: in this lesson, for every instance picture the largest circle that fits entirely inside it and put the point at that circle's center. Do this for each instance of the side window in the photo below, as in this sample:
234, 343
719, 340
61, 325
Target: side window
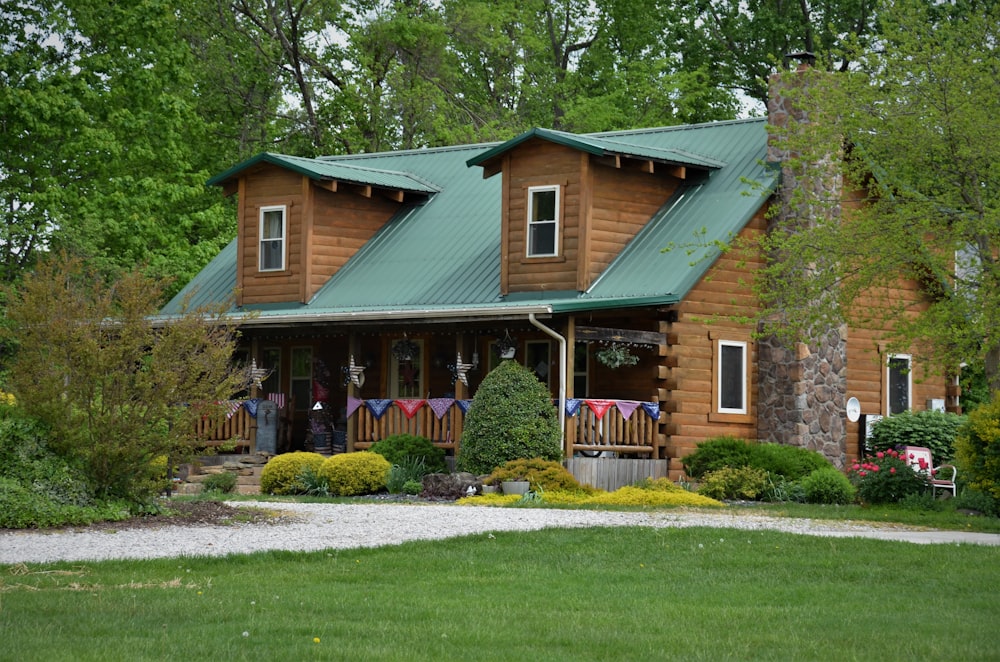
543, 221
272, 238
899, 383
271, 360
538, 360
731, 378
580, 372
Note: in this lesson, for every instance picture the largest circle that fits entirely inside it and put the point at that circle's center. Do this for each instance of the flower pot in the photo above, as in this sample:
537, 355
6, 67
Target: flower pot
515, 487
489, 489
508, 353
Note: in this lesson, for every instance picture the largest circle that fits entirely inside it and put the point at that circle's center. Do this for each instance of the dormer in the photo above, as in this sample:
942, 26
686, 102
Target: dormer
571, 203
300, 220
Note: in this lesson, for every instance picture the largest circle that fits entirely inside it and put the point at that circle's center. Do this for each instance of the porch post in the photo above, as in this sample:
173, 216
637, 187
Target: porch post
352, 392
460, 394
570, 369
254, 356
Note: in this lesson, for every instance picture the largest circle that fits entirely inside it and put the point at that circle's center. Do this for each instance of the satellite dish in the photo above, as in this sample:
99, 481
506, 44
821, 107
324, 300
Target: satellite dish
853, 410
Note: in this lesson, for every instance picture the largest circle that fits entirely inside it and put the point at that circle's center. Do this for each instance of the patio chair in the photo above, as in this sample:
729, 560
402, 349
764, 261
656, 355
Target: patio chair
921, 461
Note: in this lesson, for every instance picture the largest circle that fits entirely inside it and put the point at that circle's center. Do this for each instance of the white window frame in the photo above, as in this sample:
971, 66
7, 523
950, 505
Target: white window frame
888, 382
554, 222
721, 374
282, 240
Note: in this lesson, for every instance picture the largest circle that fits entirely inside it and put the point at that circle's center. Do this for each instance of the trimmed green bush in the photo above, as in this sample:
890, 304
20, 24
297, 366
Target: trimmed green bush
931, 429
545, 474
220, 483
734, 483
827, 485
512, 417
398, 447
353, 474
280, 475
977, 449
789, 462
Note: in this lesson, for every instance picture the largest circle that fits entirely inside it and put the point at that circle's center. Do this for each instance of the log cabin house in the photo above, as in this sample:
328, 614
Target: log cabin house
383, 284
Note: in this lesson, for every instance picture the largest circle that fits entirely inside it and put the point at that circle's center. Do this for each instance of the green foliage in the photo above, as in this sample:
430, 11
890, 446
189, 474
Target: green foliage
27, 459
734, 483
930, 429
22, 507
353, 474
829, 486
886, 478
511, 417
115, 392
409, 470
398, 447
281, 473
542, 474
977, 449
220, 483
311, 482
979, 502
413, 487
717, 453
789, 462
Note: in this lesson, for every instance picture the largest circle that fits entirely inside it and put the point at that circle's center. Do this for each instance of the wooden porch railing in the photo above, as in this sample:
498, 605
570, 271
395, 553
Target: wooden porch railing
219, 430
630, 432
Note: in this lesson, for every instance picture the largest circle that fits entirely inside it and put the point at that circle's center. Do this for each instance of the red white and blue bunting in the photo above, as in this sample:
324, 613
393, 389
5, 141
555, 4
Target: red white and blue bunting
440, 406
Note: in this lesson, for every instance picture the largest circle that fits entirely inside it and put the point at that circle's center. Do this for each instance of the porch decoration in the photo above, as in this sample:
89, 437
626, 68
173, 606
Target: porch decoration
354, 373
378, 407
459, 370
410, 406
505, 347
440, 406
405, 349
616, 355
599, 407
257, 375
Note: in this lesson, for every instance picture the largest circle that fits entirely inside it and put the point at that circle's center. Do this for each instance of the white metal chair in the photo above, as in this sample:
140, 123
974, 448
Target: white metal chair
921, 461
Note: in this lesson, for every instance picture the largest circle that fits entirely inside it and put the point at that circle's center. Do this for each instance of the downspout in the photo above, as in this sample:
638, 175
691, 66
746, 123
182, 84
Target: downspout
562, 372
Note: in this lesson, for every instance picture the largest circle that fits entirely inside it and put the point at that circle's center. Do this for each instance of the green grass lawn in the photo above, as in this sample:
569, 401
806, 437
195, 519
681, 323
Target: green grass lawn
589, 594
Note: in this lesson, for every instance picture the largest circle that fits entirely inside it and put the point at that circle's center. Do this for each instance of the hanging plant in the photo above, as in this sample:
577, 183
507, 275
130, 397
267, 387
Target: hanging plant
616, 355
505, 347
405, 349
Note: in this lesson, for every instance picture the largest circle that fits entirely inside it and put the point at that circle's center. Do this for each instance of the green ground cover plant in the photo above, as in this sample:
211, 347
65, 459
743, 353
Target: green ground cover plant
527, 595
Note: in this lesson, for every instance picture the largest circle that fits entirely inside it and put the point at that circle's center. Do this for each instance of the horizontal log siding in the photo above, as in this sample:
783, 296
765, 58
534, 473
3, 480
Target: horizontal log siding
266, 187
623, 200
687, 391
342, 224
540, 163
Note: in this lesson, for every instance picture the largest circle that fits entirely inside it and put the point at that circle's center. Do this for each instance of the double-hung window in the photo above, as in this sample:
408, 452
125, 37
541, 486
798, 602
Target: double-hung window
731, 375
273, 227
543, 221
899, 384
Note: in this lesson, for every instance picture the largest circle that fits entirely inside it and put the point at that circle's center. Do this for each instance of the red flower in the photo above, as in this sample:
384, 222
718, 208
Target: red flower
880, 455
892, 470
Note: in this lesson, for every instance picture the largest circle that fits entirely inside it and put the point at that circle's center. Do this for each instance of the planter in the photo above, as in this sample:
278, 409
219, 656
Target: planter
508, 353
519, 487
489, 489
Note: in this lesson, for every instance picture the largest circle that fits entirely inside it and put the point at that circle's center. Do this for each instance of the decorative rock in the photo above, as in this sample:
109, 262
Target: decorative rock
450, 486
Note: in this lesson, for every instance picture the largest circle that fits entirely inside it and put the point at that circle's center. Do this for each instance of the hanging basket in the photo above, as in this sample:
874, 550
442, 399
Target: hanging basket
616, 355
405, 349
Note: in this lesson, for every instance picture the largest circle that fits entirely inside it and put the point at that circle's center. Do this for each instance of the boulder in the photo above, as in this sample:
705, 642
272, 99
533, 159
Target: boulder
450, 486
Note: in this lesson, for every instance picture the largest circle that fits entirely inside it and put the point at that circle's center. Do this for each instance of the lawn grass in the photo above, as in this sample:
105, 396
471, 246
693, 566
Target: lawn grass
583, 594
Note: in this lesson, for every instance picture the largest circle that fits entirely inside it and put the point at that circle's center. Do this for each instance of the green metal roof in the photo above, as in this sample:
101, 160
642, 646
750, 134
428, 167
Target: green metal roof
441, 258
332, 170
602, 146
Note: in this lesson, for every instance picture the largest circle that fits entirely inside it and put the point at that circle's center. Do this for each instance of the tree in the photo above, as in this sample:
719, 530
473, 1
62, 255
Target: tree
920, 120
116, 391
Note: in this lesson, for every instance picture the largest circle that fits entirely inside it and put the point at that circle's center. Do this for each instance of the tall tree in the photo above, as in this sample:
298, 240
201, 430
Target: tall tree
921, 121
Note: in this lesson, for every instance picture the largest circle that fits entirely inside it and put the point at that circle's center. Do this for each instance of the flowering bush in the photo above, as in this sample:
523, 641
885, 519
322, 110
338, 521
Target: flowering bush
886, 478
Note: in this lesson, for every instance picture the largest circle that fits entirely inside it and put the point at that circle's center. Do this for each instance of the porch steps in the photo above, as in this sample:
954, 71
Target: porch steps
246, 467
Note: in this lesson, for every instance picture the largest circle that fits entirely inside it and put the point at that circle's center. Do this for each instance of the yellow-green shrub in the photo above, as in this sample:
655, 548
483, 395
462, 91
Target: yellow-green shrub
545, 474
281, 474
637, 496
351, 474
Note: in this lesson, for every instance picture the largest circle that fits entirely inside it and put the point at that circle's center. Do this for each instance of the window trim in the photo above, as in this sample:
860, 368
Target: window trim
721, 414
283, 239
555, 222
888, 382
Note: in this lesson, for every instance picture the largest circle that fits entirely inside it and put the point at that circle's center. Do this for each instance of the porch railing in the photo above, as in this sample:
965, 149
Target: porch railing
622, 427
234, 425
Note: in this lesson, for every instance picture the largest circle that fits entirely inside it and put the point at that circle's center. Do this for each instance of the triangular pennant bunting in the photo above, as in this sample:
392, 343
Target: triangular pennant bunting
251, 406
626, 407
440, 406
464, 405
652, 408
231, 406
600, 407
352, 405
410, 407
573, 406
378, 407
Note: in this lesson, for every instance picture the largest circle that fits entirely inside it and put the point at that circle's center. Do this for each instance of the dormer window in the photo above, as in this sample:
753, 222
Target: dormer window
272, 238
543, 221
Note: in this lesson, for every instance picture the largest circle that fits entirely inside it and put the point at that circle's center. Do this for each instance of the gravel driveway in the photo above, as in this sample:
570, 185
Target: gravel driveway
308, 527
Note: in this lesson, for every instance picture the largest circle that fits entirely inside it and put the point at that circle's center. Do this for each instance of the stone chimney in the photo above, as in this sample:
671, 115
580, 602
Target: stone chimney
802, 388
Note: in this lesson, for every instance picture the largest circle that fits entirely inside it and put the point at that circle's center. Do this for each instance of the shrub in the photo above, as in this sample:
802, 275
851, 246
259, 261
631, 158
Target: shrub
717, 453
638, 496
979, 502
412, 487
352, 474
544, 474
827, 485
221, 483
25, 457
398, 447
790, 462
886, 478
734, 483
931, 429
281, 474
410, 469
311, 482
512, 417
977, 449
